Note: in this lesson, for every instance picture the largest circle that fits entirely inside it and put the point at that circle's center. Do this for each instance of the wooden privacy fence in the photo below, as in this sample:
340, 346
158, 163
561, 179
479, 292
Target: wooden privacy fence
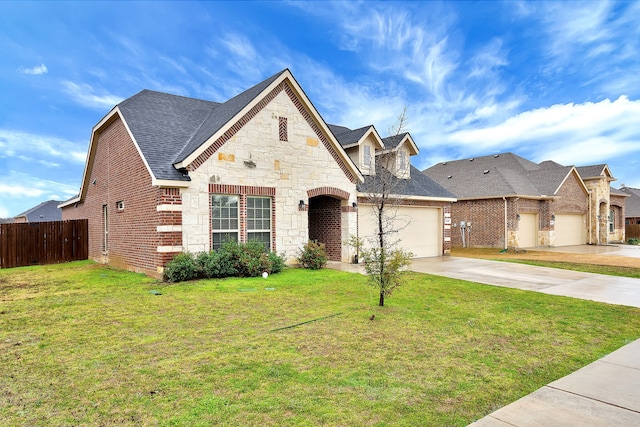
632, 231
43, 242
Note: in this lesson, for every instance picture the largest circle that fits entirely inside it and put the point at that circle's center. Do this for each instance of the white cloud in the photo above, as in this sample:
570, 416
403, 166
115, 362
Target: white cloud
20, 191
40, 148
35, 71
567, 133
85, 94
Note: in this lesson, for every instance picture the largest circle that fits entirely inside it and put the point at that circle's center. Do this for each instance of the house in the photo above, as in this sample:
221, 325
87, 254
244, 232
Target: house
45, 211
632, 204
422, 209
505, 201
167, 174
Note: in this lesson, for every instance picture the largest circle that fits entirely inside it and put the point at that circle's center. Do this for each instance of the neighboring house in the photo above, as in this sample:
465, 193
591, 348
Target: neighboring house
632, 205
421, 217
44, 212
606, 208
167, 174
505, 201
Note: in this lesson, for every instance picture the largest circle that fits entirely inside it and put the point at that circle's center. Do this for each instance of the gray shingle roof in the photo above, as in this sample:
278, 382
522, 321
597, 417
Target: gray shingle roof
168, 128
499, 175
45, 211
591, 171
393, 140
632, 203
419, 184
347, 137
162, 124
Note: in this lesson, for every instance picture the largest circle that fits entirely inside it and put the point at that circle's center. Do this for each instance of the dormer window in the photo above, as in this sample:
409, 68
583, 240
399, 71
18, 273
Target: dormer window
402, 161
366, 156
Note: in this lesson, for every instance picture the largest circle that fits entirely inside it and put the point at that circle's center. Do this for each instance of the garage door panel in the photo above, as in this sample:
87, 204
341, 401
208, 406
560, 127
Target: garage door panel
419, 228
569, 230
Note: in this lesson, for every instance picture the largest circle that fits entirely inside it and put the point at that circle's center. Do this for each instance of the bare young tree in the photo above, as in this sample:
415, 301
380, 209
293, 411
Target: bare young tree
384, 259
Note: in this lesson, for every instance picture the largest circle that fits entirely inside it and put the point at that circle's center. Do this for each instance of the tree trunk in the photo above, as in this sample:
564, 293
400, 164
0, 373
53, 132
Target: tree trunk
381, 303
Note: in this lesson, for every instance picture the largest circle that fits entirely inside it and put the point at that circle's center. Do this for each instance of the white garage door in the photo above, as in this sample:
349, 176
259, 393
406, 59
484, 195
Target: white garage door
528, 230
420, 229
569, 230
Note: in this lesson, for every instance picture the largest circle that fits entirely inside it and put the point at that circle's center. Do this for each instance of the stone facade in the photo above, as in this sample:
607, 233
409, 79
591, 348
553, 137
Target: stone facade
256, 157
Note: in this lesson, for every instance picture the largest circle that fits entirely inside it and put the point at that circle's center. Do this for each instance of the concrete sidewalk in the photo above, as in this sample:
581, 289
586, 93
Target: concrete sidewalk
604, 393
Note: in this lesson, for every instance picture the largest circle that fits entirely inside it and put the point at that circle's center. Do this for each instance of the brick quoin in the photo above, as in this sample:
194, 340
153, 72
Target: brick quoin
121, 176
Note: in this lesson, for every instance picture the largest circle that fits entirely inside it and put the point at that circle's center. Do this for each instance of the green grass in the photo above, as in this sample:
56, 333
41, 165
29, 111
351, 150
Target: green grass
610, 270
81, 344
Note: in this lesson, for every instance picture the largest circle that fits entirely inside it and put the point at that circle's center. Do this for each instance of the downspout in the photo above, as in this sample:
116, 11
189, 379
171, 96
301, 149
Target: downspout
506, 233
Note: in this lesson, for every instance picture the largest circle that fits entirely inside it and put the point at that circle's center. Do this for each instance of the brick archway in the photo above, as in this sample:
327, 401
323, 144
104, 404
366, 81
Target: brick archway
325, 219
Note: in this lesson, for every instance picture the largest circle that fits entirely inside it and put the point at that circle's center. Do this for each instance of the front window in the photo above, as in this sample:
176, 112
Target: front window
224, 219
611, 220
259, 220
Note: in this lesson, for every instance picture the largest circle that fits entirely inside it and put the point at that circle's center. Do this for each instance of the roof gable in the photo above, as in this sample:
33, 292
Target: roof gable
595, 171
394, 142
256, 98
222, 115
350, 138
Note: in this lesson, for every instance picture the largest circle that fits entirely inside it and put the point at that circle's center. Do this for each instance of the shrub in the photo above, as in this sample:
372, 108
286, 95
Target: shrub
182, 267
277, 262
232, 259
216, 264
633, 241
313, 255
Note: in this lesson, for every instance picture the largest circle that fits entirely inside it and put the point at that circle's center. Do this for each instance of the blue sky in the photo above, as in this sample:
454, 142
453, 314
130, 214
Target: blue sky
548, 81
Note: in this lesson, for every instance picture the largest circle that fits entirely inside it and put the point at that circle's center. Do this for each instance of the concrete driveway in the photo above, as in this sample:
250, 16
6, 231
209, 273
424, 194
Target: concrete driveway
595, 287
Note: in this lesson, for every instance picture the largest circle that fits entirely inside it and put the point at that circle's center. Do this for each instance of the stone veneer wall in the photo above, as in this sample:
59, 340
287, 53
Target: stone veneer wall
254, 156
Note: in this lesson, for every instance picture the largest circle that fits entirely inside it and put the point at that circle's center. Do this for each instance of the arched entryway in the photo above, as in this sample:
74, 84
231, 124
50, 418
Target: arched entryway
325, 224
326, 206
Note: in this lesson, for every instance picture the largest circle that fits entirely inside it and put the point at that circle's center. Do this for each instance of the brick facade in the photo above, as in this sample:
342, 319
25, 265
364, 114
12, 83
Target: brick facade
118, 174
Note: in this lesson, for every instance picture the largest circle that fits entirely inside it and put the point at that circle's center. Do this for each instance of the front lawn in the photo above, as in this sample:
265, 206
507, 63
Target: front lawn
81, 344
